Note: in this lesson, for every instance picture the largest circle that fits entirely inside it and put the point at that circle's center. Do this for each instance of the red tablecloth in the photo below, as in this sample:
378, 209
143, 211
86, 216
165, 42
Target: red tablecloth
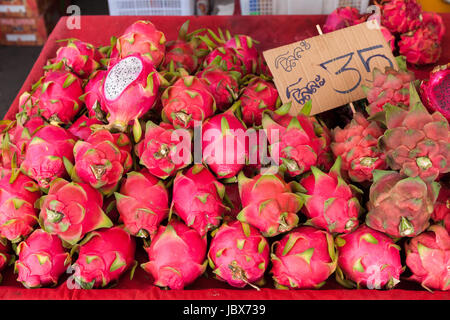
271, 31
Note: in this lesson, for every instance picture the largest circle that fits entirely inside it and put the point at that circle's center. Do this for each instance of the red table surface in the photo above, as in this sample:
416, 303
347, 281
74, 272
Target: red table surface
271, 31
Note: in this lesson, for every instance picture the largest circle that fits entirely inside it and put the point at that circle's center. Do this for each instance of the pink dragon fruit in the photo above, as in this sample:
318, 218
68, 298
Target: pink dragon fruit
432, 22
329, 200
129, 91
223, 85
224, 145
177, 256
441, 213
303, 259
400, 16
390, 39
420, 47
342, 18
141, 37
58, 96
325, 158
70, 210
44, 158
81, 128
18, 193
357, 144
368, 258
246, 51
428, 257
143, 202
258, 96
5, 256
104, 255
239, 254
227, 59
102, 159
93, 98
160, 152
233, 201
11, 156
197, 199
433, 91
269, 203
78, 57
295, 143
186, 101
42, 260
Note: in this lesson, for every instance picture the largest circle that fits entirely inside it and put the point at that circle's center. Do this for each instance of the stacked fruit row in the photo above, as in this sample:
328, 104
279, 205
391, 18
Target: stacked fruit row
103, 157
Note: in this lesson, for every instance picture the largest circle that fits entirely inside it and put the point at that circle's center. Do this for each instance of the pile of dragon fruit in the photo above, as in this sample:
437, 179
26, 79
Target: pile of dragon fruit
411, 32
96, 167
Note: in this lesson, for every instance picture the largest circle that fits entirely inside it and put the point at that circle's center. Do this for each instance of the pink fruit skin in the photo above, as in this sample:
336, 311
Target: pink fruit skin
342, 18
390, 39
369, 258
258, 96
400, 16
441, 213
157, 151
70, 210
433, 22
177, 256
232, 192
181, 54
129, 90
303, 259
59, 96
224, 153
4, 254
197, 199
434, 91
93, 98
238, 254
143, 202
186, 101
420, 47
103, 257
245, 47
42, 260
44, 158
17, 213
141, 37
226, 58
329, 201
102, 159
81, 128
428, 257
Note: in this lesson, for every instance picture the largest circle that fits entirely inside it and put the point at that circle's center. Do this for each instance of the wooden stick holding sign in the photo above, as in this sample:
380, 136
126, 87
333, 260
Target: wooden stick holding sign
329, 69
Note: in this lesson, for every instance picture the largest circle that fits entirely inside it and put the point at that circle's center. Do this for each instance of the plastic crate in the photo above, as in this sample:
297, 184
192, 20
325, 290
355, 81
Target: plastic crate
263, 7
151, 7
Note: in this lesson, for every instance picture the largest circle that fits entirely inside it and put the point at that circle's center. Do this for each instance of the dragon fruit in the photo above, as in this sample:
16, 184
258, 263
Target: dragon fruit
93, 98
400, 206
81, 128
389, 37
246, 51
325, 158
329, 201
368, 258
223, 85
432, 22
441, 213
70, 210
342, 18
224, 146
104, 255
44, 158
227, 59
232, 200
58, 96
177, 256
262, 68
416, 143
400, 16
18, 193
11, 156
258, 96
160, 151
294, 143
428, 257
42, 260
433, 91
390, 87
303, 259
143, 202
5, 256
143, 38
269, 203
129, 91
197, 199
78, 57
357, 144
102, 159
186, 101
420, 47
239, 254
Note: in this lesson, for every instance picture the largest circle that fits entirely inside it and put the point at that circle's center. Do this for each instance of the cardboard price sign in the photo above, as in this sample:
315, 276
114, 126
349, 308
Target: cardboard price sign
329, 69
